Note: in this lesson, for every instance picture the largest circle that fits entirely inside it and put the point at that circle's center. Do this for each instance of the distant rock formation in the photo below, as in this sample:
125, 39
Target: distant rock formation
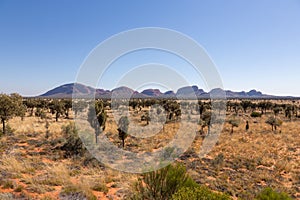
187, 92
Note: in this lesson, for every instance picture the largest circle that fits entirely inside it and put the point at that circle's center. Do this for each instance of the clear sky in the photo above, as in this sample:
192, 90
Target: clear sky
255, 44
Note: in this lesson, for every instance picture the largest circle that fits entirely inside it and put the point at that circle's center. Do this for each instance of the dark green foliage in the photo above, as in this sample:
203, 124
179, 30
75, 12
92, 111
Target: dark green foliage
97, 118
57, 108
67, 106
162, 184
10, 106
202, 107
228, 106
40, 113
123, 128
101, 187
133, 103
73, 145
172, 109
269, 194
288, 111
205, 120
198, 193
255, 114
264, 106
245, 105
30, 104
236, 107
277, 110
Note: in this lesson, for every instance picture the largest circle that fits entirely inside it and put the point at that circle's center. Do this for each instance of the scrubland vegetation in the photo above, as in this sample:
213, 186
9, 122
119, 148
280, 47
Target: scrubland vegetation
257, 155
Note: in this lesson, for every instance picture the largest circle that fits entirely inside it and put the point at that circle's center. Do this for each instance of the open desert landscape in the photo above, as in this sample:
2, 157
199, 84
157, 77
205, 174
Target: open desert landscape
42, 156
149, 100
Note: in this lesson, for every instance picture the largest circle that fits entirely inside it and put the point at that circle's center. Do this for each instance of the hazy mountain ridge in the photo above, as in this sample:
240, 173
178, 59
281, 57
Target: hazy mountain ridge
191, 92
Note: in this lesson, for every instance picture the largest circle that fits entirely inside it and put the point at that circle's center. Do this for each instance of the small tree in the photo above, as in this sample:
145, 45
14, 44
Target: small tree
67, 106
57, 108
245, 105
264, 106
43, 104
205, 120
236, 107
288, 111
276, 110
234, 123
274, 122
97, 118
30, 104
10, 106
123, 129
40, 113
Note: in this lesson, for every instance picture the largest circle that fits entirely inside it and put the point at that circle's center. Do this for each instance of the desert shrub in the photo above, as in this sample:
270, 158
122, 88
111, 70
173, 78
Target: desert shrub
163, 183
7, 184
270, 194
234, 123
10, 106
19, 188
101, 187
274, 122
123, 129
198, 193
40, 113
255, 114
73, 145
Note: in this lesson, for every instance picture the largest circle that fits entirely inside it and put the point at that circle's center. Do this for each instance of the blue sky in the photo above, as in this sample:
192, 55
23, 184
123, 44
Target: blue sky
254, 43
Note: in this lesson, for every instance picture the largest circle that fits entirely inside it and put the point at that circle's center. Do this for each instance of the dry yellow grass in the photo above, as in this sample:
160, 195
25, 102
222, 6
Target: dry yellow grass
251, 160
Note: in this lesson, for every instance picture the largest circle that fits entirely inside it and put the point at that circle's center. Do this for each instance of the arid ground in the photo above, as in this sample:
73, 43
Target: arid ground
34, 166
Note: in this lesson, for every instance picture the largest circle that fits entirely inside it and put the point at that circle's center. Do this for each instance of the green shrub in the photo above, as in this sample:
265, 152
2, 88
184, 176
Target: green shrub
73, 145
269, 194
198, 193
255, 114
7, 184
163, 183
19, 188
101, 187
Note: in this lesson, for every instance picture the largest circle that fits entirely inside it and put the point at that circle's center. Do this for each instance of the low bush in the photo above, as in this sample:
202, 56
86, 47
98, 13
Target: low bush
198, 193
270, 194
255, 114
73, 145
163, 183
